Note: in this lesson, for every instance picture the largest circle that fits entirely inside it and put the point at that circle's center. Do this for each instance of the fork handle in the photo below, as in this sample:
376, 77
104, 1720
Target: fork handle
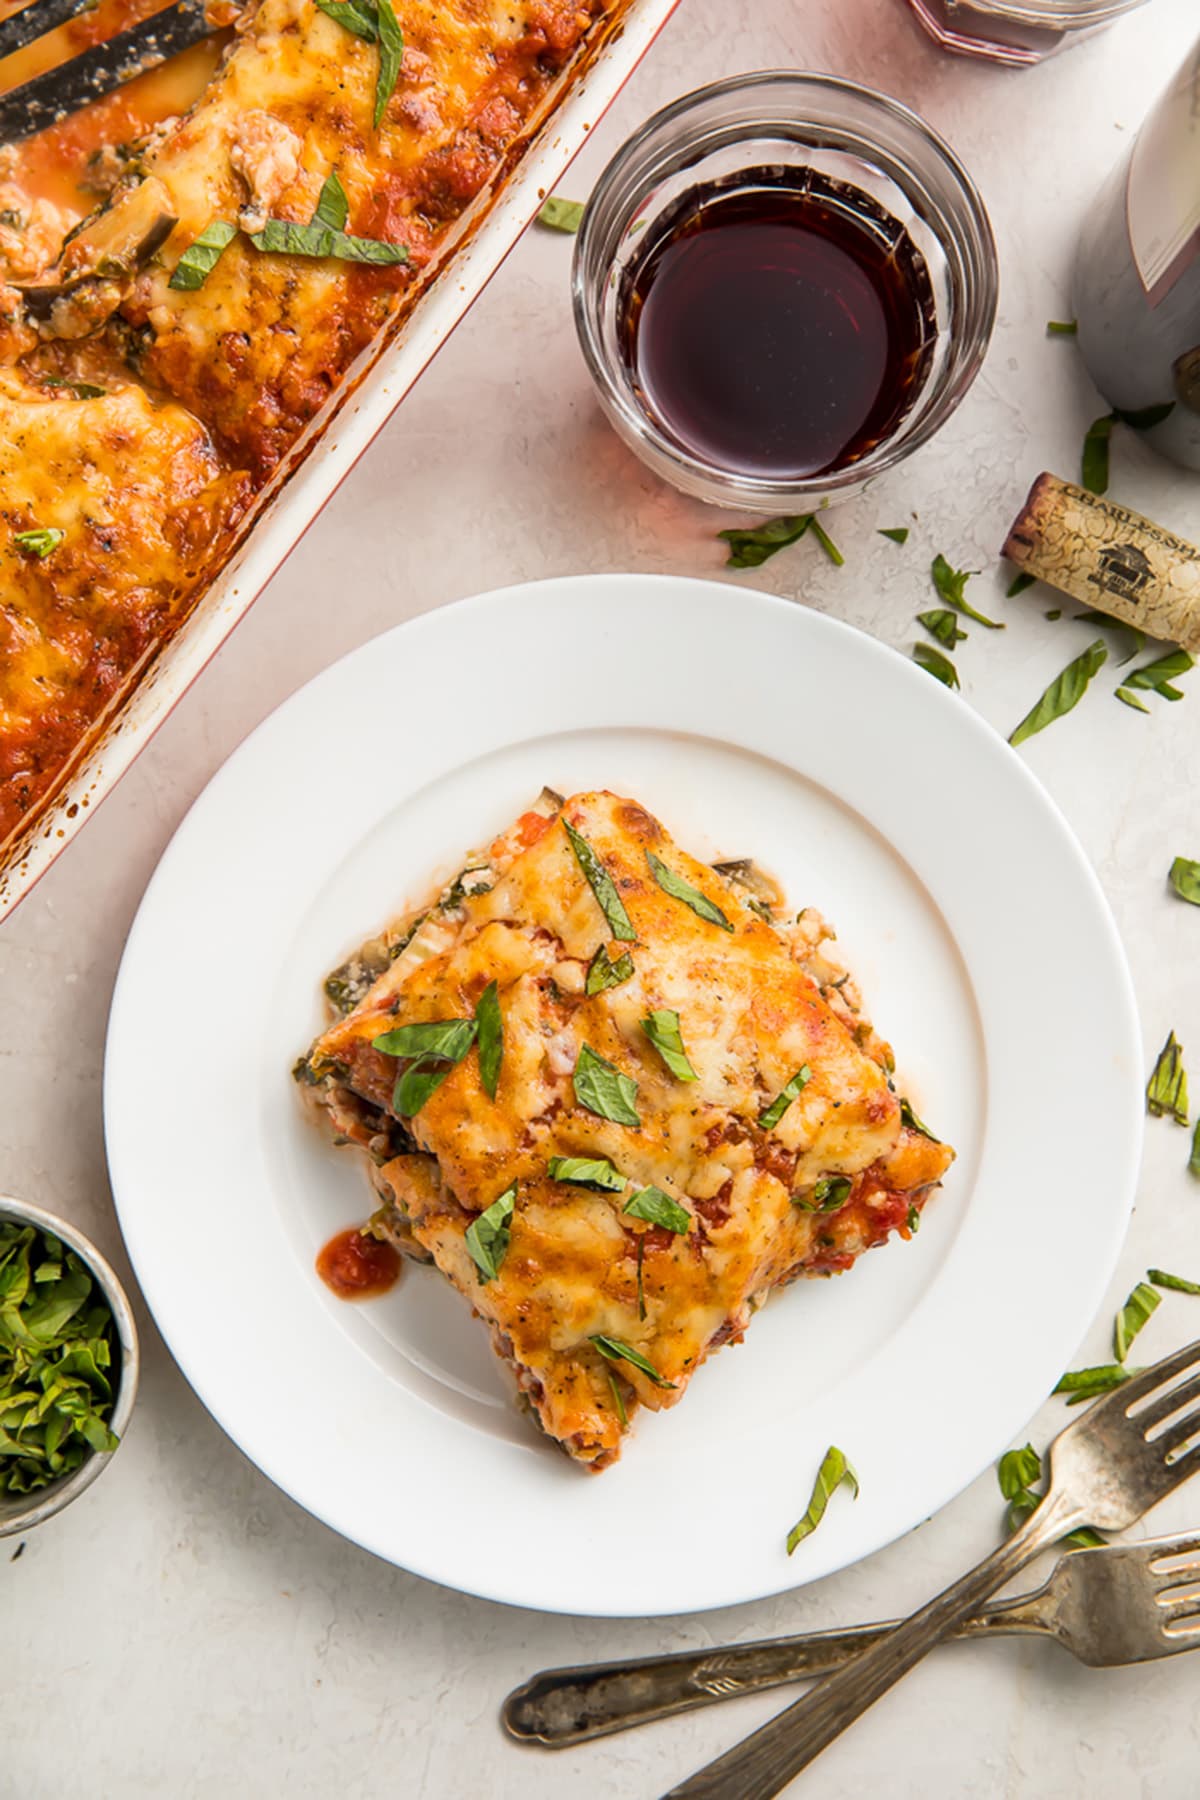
763, 1764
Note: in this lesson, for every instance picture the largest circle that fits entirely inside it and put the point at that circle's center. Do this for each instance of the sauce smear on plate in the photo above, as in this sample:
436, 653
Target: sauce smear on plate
356, 1267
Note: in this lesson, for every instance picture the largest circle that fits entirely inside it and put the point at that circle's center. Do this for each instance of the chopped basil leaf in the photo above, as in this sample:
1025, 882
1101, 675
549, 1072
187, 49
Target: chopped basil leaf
1161, 1279
1157, 676
935, 664
289, 239
662, 1028
618, 1402
897, 533
914, 1219
1166, 1091
487, 1238
1135, 637
679, 889
1094, 462
602, 885
40, 541
603, 974
1133, 1315
1131, 699
1085, 1384
1194, 1158
1061, 327
1185, 879
357, 16
657, 1208
951, 584
617, 1350
602, 1089
1018, 1469
1064, 692
202, 255
586, 1171
749, 549
333, 208
769, 1118
391, 55
419, 1082
1020, 581
641, 1290
908, 1117
446, 1039
561, 215
943, 624
835, 1471
829, 1194
827, 544
490, 1027
82, 390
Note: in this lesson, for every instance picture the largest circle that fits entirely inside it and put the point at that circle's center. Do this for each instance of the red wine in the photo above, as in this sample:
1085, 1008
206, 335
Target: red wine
779, 326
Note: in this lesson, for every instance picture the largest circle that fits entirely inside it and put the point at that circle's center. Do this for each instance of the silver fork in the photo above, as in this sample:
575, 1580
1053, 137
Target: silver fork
1125, 1603
1130, 1450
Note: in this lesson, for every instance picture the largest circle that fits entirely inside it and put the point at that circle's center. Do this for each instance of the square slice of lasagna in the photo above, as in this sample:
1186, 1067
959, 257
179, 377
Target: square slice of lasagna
616, 1098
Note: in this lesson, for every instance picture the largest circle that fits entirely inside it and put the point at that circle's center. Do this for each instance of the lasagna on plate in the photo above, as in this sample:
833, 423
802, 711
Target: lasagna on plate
617, 1097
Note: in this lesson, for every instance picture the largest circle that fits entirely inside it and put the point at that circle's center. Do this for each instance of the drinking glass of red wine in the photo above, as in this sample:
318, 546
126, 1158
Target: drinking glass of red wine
783, 285
1016, 32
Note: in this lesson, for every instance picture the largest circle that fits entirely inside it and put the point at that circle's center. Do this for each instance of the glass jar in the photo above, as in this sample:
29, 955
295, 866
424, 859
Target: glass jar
1016, 32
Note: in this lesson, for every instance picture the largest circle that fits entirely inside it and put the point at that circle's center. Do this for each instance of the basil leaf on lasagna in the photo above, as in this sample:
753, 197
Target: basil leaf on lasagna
1133, 1315
391, 55
416, 1085
679, 889
602, 1089
487, 1237
658, 1208
603, 974
40, 541
586, 1171
357, 16
662, 1028
561, 215
617, 1350
449, 1039
287, 238
829, 1194
908, 1117
79, 390
202, 255
618, 1402
332, 208
783, 1099
490, 1028
836, 1471
602, 885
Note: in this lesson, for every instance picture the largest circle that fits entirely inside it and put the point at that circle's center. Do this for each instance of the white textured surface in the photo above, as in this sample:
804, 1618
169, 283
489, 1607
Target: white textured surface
185, 1630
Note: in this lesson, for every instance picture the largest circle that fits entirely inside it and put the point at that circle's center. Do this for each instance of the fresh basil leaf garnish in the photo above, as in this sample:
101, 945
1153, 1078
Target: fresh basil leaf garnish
1094, 461
1061, 327
897, 533
1166, 1091
490, 1028
487, 1237
603, 974
617, 1350
943, 624
1018, 1469
836, 1471
40, 541
391, 55
1161, 1279
1064, 693
641, 1288
418, 1083
618, 1402
914, 1218
447, 1039
1085, 1384
286, 238
657, 1208
602, 885
357, 16
1129, 699
769, 1118
935, 664
1185, 879
1194, 1158
202, 255
1020, 581
1157, 676
749, 549
951, 584
602, 1089
662, 1028
80, 390
908, 1117
561, 215
826, 542
1133, 1315
333, 208
829, 1194
588, 1172
679, 889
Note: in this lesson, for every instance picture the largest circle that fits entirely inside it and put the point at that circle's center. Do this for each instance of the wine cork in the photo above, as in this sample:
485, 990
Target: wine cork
1109, 558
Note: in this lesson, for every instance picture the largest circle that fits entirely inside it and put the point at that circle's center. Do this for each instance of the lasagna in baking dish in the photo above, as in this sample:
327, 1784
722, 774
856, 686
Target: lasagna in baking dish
188, 269
617, 1097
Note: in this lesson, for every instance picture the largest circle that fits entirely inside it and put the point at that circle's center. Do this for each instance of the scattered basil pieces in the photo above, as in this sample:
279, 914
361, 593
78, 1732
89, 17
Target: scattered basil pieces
618, 1402
1061, 327
1133, 1315
829, 1194
1161, 1279
80, 390
448, 1039
826, 542
40, 541
897, 533
1166, 1091
679, 889
641, 1290
1194, 1158
487, 1237
586, 1171
935, 664
1064, 692
1016, 1473
490, 1029
561, 215
749, 549
56, 1348
771, 1115
419, 1082
617, 1350
1129, 699
835, 1471
1099, 433
356, 16
1085, 1384
1185, 879
603, 974
1020, 581
657, 1208
908, 1117
1158, 676
602, 885
286, 238
391, 55
914, 1219
943, 624
662, 1028
332, 208
602, 1089
951, 584
202, 255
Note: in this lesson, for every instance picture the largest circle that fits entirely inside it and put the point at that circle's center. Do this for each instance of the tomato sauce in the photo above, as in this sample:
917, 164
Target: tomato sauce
357, 1267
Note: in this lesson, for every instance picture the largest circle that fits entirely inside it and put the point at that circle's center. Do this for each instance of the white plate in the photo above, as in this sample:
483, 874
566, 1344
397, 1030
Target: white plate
966, 909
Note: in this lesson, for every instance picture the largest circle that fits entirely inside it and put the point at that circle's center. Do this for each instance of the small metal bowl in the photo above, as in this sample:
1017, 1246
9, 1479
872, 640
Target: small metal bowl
21, 1512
